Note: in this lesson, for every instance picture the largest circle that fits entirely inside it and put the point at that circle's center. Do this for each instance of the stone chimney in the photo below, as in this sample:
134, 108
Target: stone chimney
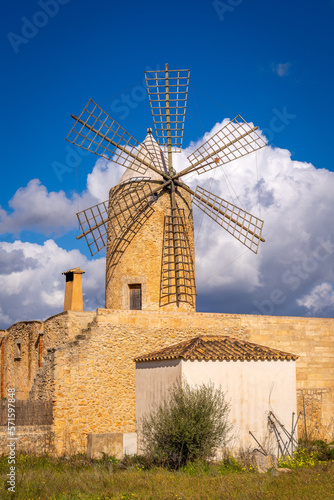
73, 290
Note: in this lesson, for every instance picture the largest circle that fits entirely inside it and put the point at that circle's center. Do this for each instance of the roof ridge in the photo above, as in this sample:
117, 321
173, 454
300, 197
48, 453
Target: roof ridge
217, 347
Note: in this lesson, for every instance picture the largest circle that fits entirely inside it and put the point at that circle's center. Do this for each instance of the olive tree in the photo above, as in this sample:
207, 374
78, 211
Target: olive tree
188, 425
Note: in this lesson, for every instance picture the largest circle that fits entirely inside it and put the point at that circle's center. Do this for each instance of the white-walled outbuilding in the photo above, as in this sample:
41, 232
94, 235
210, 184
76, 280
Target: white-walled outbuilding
256, 380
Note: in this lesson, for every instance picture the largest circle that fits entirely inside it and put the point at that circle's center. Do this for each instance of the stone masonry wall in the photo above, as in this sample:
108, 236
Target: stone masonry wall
20, 371
94, 386
63, 327
37, 439
20, 368
89, 374
28, 378
43, 388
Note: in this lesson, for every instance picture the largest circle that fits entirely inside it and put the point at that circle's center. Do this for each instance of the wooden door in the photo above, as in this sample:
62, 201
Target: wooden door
135, 296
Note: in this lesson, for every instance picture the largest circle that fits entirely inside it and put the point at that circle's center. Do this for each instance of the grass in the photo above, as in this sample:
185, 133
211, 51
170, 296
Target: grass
40, 478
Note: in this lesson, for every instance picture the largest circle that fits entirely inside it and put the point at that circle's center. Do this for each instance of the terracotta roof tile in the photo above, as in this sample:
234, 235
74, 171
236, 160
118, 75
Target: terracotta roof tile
216, 347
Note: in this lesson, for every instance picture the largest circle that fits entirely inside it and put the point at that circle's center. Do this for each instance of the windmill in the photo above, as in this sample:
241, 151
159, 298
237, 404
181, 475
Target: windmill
150, 186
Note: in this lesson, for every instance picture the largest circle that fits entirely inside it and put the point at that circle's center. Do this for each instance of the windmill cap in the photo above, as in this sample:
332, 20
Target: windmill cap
149, 130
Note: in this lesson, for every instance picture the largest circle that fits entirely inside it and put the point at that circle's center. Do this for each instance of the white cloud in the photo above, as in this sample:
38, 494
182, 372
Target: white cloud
37, 292
104, 175
36, 209
281, 69
320, 297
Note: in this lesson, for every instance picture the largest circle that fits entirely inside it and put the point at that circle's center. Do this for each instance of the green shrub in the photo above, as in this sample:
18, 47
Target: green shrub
308, 454
187, 426
322, 450
301, 458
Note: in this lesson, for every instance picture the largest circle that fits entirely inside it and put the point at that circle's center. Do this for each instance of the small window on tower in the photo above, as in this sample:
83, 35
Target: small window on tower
135, 296
18, 349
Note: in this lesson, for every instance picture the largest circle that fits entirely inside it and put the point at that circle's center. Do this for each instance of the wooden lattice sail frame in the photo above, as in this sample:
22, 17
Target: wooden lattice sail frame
95, 131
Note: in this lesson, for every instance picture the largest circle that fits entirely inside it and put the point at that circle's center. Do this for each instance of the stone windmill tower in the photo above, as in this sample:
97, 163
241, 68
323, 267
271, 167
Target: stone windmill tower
147, 223
140, 262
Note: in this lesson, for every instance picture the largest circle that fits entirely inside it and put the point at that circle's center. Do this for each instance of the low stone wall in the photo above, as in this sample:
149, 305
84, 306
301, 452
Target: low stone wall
116, 444
27, 413
37, 439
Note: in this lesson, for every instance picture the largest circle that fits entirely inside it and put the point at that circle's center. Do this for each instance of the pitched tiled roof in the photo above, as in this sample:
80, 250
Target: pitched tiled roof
217, 347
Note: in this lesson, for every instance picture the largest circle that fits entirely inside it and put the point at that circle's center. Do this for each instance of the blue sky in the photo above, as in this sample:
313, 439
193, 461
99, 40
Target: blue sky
271, 62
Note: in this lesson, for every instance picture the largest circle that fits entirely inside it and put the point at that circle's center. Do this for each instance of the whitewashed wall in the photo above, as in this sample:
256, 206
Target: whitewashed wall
153, 378
253, 388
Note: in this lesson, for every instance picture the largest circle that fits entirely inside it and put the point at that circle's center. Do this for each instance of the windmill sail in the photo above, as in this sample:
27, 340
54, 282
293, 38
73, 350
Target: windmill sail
234, 140
127, 203
178, 275
93, 222
244, 226
94, 130
168, 90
